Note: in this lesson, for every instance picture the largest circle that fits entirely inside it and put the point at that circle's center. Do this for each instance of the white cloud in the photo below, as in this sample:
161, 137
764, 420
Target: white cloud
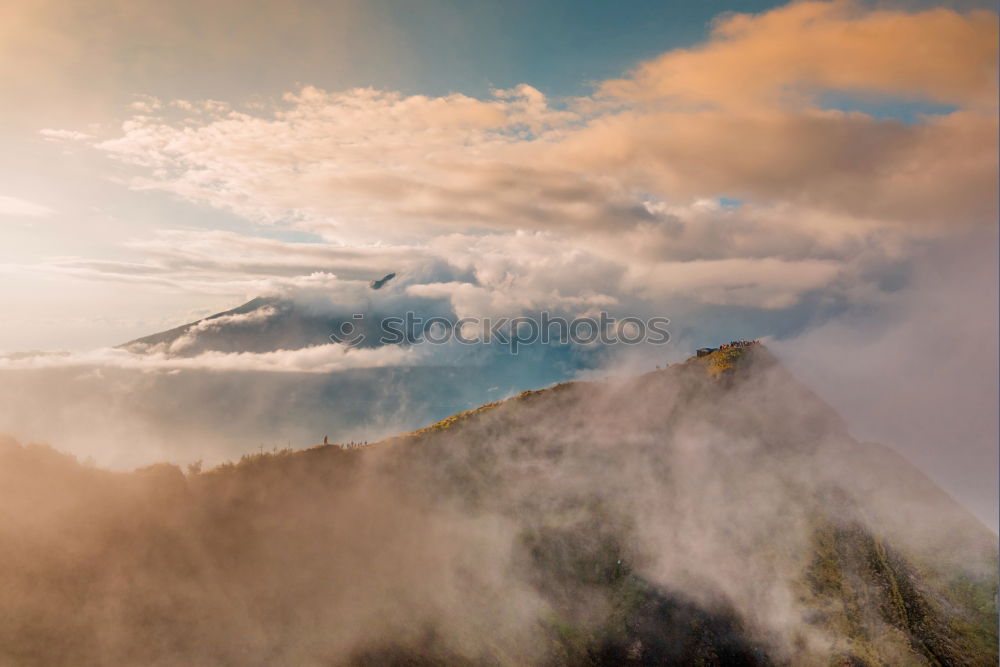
22, 208
64, 135
190, 336
320, 359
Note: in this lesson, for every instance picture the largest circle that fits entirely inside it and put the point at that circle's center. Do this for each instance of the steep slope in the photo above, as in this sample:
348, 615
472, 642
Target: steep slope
263, 324
270, 323
166, 338
760, 488
715, 512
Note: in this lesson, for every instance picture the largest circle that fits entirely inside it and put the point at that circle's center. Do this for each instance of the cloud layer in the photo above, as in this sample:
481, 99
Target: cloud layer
740, 116
719, 173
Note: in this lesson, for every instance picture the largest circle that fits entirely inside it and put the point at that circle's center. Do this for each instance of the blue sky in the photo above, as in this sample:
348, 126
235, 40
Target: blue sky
433, 46
559, 46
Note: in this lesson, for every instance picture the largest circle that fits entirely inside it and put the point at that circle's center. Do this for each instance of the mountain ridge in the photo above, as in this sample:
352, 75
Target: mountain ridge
684, 516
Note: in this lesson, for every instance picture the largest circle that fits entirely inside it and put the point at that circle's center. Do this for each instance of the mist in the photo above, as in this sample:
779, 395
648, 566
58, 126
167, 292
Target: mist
920, 372
513, 534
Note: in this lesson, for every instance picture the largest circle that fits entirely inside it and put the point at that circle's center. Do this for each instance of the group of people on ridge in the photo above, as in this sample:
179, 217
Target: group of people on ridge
345, 445
739, 343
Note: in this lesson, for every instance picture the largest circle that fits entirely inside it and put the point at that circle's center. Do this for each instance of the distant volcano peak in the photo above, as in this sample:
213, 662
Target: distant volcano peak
380, 283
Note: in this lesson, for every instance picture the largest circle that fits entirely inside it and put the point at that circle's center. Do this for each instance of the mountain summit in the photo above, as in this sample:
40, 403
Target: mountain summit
267, 324
263, 324
715, 512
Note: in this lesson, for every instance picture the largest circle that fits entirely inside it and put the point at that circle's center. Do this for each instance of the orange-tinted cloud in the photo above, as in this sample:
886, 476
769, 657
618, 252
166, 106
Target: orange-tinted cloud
941, 171
787, 55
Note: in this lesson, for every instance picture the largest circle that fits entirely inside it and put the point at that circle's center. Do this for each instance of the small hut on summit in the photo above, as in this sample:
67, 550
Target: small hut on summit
704, 351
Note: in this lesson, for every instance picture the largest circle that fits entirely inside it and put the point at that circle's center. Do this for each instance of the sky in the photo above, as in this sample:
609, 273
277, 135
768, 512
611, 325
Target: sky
822, 174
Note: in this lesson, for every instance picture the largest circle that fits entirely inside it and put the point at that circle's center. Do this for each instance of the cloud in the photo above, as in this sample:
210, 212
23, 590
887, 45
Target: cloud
787, 56
762, 283
320, 160
222, 262
738, 116
63, 135
317, 359
707, 254
919, 371
213, 324
21, 208
939, 172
